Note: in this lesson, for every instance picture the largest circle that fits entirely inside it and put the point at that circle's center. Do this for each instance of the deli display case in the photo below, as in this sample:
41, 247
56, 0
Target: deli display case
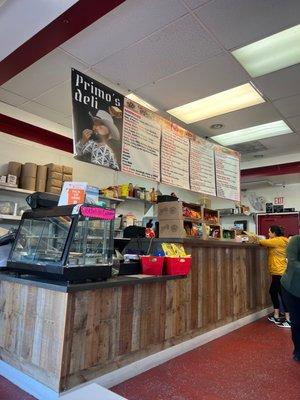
70, 243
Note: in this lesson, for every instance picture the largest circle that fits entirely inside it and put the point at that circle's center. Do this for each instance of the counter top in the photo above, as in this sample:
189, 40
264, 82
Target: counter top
75, 287
195, 241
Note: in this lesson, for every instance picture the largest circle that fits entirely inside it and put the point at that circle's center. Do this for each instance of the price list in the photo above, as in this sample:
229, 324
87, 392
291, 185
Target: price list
141, 145
227, 175
202, 167
175, 159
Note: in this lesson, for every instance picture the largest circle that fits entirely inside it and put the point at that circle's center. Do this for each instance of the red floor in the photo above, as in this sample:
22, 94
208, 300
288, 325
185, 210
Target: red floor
252, 363
8, 391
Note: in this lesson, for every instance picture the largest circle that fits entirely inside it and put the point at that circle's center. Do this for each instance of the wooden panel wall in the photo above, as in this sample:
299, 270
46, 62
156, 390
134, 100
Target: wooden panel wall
112, 327
32, 323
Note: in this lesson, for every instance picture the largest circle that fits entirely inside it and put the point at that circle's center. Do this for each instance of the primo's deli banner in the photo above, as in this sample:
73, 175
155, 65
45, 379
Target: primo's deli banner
115, 132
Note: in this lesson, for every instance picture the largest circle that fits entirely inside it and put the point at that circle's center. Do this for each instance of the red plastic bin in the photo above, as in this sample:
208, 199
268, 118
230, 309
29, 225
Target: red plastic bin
178, 265
152, 265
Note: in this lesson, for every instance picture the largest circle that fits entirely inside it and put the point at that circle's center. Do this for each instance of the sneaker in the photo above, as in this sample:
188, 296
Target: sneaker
276, 321
285, 324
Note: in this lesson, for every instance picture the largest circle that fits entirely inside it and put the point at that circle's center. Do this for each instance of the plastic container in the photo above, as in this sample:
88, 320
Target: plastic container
177, 265
152, 265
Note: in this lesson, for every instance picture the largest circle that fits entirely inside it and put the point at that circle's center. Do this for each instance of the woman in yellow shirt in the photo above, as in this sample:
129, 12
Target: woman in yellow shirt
277, 264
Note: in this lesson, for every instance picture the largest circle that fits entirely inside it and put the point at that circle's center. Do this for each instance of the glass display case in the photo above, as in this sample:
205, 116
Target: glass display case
70, 243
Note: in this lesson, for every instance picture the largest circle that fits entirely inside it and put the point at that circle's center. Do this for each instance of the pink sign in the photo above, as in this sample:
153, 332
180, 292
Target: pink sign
97, 212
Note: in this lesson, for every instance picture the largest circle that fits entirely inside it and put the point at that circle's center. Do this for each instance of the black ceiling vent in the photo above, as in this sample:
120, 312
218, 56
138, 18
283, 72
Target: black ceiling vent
248, 147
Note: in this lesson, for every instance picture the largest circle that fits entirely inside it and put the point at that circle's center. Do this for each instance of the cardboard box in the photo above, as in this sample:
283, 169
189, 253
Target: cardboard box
169, 210
54, 168
14, 168
29, 170
41, 174
40, 186
171, 228
67, 178
28, 183
54, 183
53, 189
67, 170
55, 175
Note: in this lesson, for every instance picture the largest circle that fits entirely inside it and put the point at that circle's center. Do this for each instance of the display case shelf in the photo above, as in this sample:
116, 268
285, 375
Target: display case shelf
15, 189
10, 217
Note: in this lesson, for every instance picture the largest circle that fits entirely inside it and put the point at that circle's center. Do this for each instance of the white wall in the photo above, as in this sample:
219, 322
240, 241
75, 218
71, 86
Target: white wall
256, 200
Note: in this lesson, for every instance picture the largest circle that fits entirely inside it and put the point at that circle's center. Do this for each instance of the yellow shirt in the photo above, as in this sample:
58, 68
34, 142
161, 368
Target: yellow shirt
277, 254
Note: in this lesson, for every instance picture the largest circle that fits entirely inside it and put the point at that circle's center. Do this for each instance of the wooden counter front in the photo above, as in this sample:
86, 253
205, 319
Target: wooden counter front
64, 339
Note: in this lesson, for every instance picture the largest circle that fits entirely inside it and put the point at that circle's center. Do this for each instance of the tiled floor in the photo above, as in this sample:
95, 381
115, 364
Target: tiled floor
252, 363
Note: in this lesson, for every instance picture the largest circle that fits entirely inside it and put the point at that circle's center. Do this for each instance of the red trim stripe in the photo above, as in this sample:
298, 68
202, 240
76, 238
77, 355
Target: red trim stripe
75, 19
272, 170
36, 134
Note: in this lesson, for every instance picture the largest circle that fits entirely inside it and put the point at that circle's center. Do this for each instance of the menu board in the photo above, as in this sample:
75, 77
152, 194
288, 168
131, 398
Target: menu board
175, 156
202, 166
141, 141
227, 173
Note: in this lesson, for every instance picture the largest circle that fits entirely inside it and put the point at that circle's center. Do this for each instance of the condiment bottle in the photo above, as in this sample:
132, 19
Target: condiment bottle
130, 190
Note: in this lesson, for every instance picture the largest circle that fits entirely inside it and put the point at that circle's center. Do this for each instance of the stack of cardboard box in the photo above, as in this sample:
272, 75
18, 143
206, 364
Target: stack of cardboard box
28, 176
54, 178
67, 174
40, 178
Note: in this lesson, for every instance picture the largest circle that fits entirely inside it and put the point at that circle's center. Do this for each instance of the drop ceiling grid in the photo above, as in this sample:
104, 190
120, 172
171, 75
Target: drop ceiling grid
240, 22
211, 76
160, 54
126, 25
43, 75
182, 75
240, 119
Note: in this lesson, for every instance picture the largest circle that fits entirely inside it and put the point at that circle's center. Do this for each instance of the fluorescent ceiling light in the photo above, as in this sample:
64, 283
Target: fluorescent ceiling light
221, 103
272, 53
253, 133
142, 102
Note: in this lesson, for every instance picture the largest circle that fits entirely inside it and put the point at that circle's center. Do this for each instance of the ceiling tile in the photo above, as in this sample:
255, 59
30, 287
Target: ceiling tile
131, 21
279, 146
283, 83
239, 22
11, 98
294, 123
192, 4
215, 75
44, 74
255, 115
44, 112
160, 54
59, 98
288, 106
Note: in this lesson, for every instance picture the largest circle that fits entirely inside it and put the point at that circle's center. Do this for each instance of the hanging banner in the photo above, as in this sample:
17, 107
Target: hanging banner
97, 122
202, 166
227, 173
174, 155
141, 141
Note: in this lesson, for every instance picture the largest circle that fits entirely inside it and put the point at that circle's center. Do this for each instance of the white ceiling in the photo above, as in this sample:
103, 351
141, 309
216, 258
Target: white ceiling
171, 52
20, 20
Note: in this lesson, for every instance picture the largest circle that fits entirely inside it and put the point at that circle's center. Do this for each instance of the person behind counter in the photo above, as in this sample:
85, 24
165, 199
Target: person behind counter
277, 264
95, 143
290, 282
